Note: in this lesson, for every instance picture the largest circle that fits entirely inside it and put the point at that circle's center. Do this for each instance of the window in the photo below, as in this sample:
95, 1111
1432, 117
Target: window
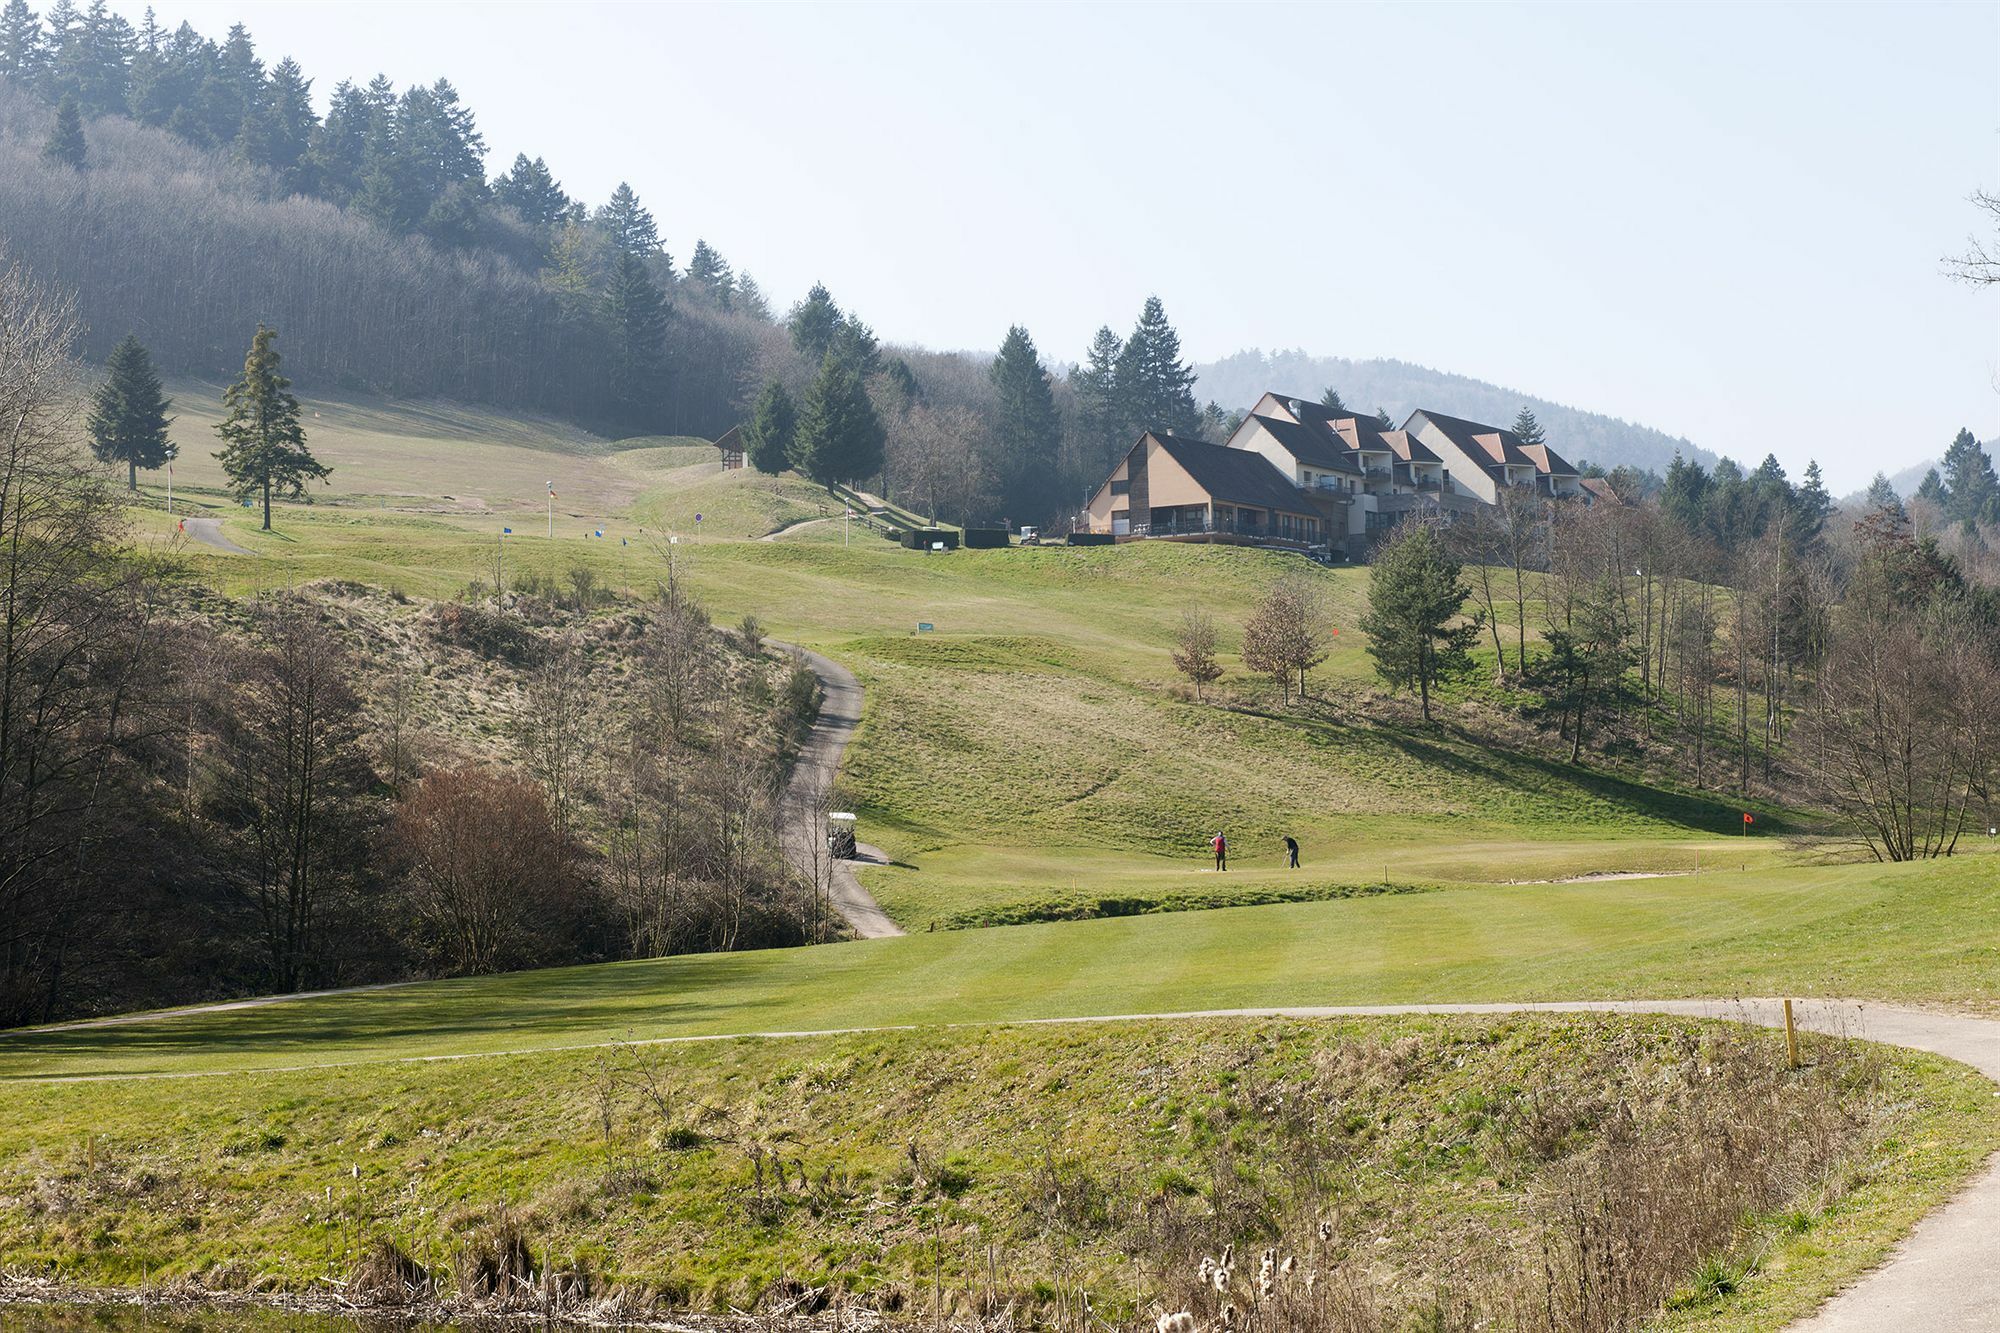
1121, 488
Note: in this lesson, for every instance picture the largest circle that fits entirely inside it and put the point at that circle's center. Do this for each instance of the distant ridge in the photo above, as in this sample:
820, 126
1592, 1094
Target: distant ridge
1236, 381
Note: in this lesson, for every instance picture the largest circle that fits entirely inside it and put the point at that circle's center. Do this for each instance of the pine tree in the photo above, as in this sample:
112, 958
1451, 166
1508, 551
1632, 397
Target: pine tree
1155, 390
631, 227
1099, 416
1414, 596
1812, 504
1931, 489
23, 56
339, 151
128, 415
264, 444
285, 122
531, 190
773, 425
637, 314
1684, 495
750, 298
839, 437
1883, 498
1026, 431
1383, 419
1528, 430
814, 323
65, 147
1330, 400
709, 271
1972, 491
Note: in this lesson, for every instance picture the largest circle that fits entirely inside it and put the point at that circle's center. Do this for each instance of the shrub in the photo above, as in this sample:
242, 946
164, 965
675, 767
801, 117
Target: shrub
1092, 539
985, 539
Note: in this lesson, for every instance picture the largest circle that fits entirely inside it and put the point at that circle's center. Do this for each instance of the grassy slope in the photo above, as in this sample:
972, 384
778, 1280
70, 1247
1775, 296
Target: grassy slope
285, 1178
1926, 933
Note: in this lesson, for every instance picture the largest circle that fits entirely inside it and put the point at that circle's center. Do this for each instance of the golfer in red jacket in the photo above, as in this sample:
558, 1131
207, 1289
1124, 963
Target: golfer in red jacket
1221, 846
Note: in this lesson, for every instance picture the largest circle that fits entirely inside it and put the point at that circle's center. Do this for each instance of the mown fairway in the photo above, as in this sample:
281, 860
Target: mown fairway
1929, 933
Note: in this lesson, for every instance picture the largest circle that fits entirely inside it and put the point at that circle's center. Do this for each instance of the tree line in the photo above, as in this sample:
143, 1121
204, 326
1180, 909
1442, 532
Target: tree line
201, 797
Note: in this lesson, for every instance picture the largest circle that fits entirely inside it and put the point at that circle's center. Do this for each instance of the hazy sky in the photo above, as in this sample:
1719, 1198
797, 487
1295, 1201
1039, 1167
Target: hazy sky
1723, 220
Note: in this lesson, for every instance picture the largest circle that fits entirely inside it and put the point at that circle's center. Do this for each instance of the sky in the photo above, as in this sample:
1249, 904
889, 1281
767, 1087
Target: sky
1726, 221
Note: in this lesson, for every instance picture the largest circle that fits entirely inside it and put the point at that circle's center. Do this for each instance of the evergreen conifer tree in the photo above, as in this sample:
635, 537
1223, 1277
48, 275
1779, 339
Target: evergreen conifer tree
709, 271
631, 226
22, 54
1330, 400
1155, 390
815, 323
264, 444
1528, 430
1383, 418
286, 121
1684, 495
1931, 489
637, 313
1882, 496
770, 432
750, 298
839, 437
1414, 596
1026, 431
65, 145
1099, 416
1972, 491
128, 415
1812, 504
530, 189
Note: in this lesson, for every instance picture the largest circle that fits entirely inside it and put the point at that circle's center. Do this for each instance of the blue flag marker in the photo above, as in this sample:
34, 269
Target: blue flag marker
598, 533
506, 532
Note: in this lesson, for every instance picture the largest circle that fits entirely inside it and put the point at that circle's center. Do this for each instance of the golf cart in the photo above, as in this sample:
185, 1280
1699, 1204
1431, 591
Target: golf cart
840, 835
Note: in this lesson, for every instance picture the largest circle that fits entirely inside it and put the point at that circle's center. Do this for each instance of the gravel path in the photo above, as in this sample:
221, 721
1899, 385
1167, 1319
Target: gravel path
839, 713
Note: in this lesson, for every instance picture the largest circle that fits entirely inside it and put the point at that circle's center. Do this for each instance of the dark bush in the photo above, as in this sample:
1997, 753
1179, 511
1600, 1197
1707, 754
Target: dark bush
1091, 539
985, 539
493, 636
922, 539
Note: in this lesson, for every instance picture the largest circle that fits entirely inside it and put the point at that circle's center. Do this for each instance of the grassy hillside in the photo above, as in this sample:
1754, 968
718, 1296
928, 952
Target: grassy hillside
1032, 757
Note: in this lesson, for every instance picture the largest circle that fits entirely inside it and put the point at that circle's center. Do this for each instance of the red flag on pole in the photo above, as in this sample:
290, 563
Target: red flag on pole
1747, 819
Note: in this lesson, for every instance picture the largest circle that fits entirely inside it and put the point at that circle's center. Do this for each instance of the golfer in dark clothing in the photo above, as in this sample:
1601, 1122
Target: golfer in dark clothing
1292, 852
1221, 846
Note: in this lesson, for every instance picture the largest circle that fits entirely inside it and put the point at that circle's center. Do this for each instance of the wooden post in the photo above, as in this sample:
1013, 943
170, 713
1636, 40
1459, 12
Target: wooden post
1791, 1039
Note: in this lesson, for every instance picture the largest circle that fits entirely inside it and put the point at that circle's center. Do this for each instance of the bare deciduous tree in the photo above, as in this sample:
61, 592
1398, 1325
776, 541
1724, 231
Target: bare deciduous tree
487, 869
1194, 650
554, 729
292, 741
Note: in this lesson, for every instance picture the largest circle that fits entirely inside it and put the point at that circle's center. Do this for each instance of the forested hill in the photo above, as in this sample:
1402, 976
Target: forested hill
1401, 388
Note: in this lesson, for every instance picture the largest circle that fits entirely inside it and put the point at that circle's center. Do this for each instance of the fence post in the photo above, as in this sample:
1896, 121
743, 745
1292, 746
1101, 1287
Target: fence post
1791, 1039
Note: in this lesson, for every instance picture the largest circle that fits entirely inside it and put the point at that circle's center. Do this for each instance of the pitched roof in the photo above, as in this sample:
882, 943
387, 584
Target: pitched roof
1489, 443
1601, 488
1548, 461
1408, 447
1234, 476
1315, 447
731, 440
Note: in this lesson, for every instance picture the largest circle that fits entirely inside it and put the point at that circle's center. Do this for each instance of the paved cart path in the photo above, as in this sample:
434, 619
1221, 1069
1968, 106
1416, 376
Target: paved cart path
819, 761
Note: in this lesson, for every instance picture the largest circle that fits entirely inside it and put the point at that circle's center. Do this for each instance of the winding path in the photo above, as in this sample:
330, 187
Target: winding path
819, 761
